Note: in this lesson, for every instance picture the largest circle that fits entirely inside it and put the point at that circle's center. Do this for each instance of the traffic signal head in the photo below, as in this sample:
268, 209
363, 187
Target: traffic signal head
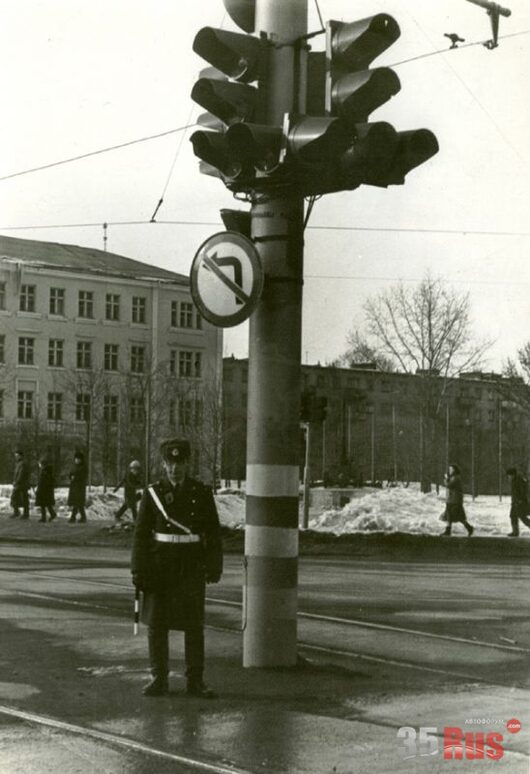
238, 56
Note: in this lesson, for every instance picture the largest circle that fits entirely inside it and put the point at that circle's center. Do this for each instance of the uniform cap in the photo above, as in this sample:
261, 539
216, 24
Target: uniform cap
134, 464
175, 450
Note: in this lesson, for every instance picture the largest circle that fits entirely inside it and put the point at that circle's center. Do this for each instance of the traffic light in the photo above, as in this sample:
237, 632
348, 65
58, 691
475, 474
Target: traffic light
332, 146
341, 85
306, 405
234, 145
320, 409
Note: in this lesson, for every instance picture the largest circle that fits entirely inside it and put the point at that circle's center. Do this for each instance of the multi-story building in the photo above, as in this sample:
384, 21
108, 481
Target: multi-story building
101, 352
395, 426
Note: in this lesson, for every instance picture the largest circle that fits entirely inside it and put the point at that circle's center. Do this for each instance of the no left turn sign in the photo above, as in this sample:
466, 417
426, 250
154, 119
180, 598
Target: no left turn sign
226, 278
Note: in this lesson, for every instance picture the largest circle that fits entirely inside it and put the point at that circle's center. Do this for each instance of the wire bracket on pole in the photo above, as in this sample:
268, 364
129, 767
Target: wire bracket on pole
494, 11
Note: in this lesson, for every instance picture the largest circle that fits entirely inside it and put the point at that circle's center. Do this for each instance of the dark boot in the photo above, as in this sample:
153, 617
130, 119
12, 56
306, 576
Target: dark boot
194, 656
53, 515
469, 528
158, 641
42, 515
447, 531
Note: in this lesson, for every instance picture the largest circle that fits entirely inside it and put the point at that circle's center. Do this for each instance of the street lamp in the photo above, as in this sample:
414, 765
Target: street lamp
371, 411
469, 423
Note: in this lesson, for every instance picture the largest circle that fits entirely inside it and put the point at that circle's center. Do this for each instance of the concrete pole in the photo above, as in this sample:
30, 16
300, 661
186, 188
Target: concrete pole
271, 533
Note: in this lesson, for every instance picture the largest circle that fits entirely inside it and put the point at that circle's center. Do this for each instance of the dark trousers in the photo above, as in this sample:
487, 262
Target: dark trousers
23, 500
80, 511
43, 512
158, 640
515, 515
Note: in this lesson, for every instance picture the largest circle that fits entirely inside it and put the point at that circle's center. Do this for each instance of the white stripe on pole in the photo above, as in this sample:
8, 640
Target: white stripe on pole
271, 541
272, 480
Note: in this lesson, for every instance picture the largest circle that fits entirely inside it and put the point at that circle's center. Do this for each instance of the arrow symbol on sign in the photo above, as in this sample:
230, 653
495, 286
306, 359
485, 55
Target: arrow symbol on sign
213, 263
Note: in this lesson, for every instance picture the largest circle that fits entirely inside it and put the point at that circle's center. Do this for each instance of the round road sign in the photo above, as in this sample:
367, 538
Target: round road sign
226, 278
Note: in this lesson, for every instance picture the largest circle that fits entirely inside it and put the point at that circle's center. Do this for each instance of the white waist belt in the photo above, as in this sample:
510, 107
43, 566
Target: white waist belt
163, 537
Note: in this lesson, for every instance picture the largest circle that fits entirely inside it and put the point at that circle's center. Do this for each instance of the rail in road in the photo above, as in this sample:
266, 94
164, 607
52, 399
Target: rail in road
344, 638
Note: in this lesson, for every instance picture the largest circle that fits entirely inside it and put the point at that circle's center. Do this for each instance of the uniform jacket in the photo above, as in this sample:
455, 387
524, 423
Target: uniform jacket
131, 483
44, 494
77, 489
21, 480
173, 575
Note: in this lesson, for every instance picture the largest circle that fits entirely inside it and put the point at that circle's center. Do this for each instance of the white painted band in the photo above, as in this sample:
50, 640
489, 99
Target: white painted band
272, 480
274, 542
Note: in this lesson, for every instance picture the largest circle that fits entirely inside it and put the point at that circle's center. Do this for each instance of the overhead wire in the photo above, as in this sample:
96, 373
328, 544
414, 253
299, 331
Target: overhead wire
378, 229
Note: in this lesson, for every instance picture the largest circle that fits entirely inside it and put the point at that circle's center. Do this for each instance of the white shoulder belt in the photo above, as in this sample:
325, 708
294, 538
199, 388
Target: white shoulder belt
162, 510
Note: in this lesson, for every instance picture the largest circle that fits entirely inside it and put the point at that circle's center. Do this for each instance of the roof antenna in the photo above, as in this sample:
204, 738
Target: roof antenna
494, 12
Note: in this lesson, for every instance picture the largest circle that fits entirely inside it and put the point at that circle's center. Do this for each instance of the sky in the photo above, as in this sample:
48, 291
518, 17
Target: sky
81, 75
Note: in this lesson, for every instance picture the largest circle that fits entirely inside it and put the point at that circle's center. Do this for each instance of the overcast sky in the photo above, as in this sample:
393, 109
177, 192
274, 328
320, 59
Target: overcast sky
80, 75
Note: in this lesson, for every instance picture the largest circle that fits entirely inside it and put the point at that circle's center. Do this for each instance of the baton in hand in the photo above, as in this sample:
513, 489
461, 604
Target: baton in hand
136, 609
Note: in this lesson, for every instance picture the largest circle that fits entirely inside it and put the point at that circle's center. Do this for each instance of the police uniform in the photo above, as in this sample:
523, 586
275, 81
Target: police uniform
176, 551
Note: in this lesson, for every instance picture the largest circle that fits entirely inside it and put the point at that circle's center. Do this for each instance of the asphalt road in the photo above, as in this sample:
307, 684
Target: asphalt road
386, 645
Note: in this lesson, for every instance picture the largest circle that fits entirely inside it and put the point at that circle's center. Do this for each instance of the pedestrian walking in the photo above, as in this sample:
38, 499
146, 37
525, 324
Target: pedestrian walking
454, 501
21, 485
520, 509
132, 485
77, 488
176, 551
45, 491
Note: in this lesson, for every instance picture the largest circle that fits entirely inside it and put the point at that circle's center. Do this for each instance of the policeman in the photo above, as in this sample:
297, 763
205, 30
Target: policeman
176, 550
21, 485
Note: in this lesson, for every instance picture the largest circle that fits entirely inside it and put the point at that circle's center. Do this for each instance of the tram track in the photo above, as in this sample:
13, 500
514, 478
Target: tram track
325, 635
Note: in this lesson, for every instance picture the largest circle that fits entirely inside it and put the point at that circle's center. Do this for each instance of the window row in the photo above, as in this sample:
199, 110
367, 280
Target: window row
183, 412
182, 313
183, 363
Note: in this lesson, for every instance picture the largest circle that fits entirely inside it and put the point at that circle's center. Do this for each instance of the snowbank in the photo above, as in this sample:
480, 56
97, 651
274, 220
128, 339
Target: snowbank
370, 510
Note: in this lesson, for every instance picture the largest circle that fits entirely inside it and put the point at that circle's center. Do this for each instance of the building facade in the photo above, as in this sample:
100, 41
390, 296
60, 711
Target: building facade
103, 353
393, 426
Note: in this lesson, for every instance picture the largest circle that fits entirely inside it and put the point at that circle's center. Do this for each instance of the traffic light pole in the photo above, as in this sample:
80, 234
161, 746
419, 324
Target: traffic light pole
271, 533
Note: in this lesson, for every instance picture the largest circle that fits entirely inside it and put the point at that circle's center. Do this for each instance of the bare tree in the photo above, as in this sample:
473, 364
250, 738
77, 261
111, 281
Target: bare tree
425, 330
359, 350
515, 387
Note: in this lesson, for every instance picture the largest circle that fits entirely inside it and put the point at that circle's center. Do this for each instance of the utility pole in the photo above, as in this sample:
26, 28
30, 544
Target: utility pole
307, 475
301, 132
275, 344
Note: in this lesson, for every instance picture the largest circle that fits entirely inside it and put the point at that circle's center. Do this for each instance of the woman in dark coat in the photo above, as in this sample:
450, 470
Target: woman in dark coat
77, 489
454, 509
44, 494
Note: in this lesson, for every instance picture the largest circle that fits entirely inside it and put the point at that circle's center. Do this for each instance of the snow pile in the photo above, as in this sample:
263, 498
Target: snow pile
386, 510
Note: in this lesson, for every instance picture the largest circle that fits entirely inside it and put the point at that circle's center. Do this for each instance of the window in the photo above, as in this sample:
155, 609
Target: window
173, 362
198, 413
198, 321
55, 353
136, 410
2, 348
25, 404
185, 413
185, 363
57, 301
174, 314
2, 295
27, 298
110, 358
138, 309
84, 354
85, 305
190, 364
26, 350
186, 315
55, 406
491, 415
137, 359
112, 307
110, 408
82, 407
